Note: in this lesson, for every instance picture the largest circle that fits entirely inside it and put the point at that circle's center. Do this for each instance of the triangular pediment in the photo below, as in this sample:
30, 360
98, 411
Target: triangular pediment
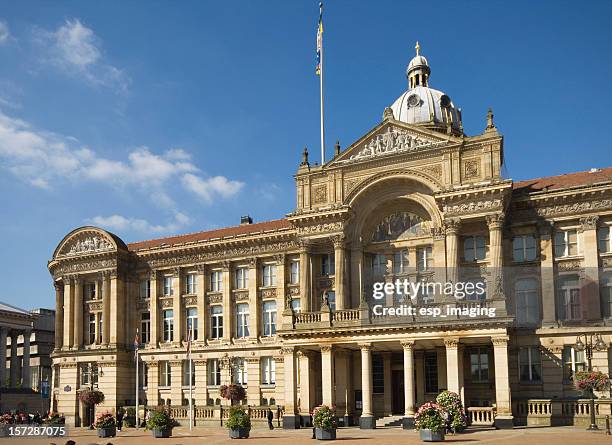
392, 138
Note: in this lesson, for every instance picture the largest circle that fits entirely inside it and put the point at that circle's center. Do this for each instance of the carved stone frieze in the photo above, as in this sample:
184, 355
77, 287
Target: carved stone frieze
190, 300
241, 296
320, 194
562, 208
166, 303
565, 266
335, 226
268, 293
472, 206
215, 298
471, 168
589, 222
87, 242
434, 170
66, 268
143, 304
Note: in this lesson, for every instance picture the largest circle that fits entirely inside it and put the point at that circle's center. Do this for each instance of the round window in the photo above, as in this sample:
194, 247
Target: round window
414, 100
445, 101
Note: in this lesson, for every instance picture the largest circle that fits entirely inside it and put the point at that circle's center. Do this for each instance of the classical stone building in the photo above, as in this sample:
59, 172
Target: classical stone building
287, 307
26, 343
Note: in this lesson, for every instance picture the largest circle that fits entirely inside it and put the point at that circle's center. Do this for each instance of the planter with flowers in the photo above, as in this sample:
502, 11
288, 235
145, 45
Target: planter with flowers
105, 424
450, 403
238, 422
56, 421
5, 421
324, 421
161, 423
429, 421
591, 381
91, 397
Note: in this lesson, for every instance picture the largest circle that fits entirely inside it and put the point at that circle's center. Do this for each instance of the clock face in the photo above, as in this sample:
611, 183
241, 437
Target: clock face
414, 100
445, 101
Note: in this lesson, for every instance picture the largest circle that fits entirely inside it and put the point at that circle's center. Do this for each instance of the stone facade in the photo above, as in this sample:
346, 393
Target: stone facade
285, 307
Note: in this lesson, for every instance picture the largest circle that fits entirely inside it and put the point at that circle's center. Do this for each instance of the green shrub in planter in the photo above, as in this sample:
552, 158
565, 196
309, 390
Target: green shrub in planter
324, 421
450, 403
238, 423
160, 422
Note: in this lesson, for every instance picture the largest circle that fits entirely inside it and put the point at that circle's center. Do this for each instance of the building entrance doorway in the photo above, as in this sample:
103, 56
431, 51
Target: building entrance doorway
397, 379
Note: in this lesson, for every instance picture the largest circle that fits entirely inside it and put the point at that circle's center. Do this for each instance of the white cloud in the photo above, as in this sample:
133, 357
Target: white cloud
5, 34
77, 50
45, 160
123, 224
207, 188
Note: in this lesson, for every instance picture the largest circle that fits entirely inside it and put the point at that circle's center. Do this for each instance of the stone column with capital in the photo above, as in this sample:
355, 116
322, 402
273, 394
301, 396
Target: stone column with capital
26, 373
339, 278
307, 390
290, 418
153, 382
201, 395
590, 280
117, 314
3, 334
367, 420
78, 313
451, 227
106, 307
154, 309
201, 305
496, 225
503, 417
254, 307
59, 319
327, 375
176, 382
454, 366
228, 309
409, 393
547, 274
305, 277
253, 381
68, 313
14, 360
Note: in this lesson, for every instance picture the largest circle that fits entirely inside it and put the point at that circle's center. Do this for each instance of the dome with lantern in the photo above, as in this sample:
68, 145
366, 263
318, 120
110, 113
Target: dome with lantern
422, 105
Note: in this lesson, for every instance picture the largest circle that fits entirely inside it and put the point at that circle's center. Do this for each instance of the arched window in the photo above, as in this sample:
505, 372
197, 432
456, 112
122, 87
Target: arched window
526, 295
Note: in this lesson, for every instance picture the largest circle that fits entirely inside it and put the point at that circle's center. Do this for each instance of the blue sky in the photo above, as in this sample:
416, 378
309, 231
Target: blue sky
150, 118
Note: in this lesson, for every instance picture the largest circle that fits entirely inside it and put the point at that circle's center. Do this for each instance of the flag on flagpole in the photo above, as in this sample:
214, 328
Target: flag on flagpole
189, 340
136, 345
319, 39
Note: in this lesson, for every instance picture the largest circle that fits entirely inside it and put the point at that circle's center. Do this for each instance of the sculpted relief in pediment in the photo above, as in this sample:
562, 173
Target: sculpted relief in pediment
393, 140
91, 242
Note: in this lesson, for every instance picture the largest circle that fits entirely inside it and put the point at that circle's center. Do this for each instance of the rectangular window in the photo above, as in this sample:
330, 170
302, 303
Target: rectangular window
89, 374
216, 322
400, 261
269, 318
268, 371
269, 275
92, 329
603, 237
214, 372
168, 318
606, 295
192, 323
530, 364
89, 291
216, 281
191, 283
188, 373
330, 297
378, 374
165, 374
100, 327
573, 361
527, 302
424, 259
143, 375
379, 265
294, 276
566, 243
570, 299
431, 372
328, 266
239, 372
242, 320
168, 286
475, 248
296, 305
426, 293
145, 289
524, 248
241, 278
479, 365
145, 327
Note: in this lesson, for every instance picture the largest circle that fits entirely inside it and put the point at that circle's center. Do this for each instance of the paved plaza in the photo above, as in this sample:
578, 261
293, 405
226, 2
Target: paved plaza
383, 436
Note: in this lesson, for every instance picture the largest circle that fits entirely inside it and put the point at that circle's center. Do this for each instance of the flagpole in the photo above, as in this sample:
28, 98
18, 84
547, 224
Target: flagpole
137, 414
321, 94
190, 380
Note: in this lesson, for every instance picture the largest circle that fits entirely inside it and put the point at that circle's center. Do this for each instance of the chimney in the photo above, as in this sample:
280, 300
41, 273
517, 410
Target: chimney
246, 220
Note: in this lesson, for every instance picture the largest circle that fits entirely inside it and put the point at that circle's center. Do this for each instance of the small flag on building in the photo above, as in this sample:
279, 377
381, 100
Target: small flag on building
319, 39
136, 345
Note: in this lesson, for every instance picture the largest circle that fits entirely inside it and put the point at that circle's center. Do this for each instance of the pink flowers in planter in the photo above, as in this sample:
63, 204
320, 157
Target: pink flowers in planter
430, 417
591, 381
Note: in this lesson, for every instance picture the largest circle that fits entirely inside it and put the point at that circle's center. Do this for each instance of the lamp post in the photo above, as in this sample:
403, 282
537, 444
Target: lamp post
591, 342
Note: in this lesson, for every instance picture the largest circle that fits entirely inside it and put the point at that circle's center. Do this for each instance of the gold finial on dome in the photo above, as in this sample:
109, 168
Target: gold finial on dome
417, 47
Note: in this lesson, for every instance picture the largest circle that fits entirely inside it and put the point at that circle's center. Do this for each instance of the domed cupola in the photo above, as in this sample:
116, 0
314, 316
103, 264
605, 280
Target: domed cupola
426, 106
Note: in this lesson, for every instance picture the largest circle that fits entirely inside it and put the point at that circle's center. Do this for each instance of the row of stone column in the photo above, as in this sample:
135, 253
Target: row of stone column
454, 370
71, 313
16, 362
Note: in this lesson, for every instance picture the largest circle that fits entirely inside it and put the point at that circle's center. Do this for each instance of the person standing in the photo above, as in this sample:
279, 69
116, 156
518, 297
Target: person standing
270, 418
119, 419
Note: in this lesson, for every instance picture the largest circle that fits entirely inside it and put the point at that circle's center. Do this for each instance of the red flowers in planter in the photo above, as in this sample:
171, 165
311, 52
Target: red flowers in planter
591, 380
233, 392
91, 396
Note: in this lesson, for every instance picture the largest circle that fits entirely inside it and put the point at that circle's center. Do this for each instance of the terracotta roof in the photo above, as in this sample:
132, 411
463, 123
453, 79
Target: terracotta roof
564, 181
245, 229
